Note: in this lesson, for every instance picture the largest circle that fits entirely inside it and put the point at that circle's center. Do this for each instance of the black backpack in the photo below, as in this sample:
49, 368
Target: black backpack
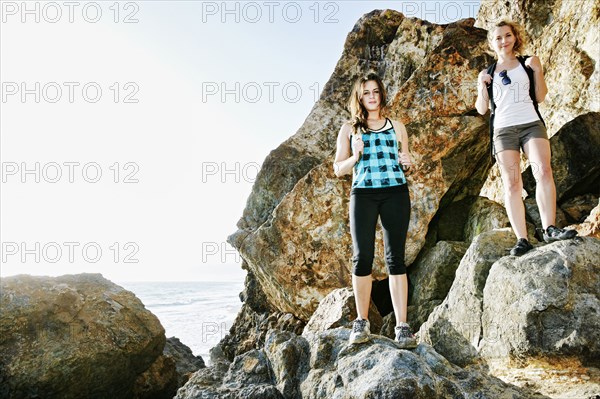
529, 72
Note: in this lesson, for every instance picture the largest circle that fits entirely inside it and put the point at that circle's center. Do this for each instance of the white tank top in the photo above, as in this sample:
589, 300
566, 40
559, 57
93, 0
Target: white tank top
513, 103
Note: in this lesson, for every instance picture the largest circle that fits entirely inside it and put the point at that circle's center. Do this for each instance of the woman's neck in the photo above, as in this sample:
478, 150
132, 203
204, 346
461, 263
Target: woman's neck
374, 115
506, 58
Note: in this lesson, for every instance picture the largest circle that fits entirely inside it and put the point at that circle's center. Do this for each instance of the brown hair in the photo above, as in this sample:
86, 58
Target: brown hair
357, 110
517, 30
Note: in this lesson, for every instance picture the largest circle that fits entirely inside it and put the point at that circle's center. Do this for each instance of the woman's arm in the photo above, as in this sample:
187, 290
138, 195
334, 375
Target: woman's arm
541, 89
402, 138
344, 160
483, 99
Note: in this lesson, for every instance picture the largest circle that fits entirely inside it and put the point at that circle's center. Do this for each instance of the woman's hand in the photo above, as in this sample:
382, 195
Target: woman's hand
534, 63
405, 161
358, 146
484, 78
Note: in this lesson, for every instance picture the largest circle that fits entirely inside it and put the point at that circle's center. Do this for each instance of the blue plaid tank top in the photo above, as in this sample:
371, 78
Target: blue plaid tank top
379, 165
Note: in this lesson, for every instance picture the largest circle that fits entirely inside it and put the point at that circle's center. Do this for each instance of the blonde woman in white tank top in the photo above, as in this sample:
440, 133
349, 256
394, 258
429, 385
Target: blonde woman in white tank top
517, 125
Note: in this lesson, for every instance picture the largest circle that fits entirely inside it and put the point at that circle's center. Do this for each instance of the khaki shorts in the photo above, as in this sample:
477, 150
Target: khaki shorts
514, 137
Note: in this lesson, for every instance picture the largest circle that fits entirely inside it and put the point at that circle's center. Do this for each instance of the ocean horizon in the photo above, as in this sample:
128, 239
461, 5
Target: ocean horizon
199, 313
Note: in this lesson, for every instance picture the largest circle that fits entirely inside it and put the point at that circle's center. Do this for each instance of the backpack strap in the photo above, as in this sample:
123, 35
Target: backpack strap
530, 75
490, 91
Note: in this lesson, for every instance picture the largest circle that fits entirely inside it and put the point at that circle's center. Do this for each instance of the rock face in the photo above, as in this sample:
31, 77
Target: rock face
516, 312
253, 321
299, 248
74, 336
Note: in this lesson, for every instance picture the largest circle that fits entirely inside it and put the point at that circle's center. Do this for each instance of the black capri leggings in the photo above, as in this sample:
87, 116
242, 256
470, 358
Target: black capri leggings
392, 204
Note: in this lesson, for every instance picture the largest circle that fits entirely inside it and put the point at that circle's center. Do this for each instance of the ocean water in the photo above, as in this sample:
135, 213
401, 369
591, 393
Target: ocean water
199, 313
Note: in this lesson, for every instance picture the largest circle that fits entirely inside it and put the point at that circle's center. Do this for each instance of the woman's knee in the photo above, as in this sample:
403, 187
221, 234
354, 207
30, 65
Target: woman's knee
395, 265
542, 174
362, 265
513, 187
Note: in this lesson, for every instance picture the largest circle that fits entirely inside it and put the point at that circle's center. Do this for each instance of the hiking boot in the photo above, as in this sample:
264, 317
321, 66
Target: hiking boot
521, 247
404, 337
553, 233
360, 331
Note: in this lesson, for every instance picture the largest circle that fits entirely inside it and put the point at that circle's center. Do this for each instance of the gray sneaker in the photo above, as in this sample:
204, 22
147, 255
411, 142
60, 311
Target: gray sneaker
404, 337
360, 331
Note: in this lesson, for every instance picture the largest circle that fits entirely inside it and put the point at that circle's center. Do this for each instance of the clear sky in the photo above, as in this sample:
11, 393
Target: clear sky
131, 132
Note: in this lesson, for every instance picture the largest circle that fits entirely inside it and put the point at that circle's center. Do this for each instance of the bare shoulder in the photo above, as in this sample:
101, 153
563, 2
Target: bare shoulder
345, 130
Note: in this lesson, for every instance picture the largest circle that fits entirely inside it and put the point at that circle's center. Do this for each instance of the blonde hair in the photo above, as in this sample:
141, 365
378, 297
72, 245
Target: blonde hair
517, 30
357, 110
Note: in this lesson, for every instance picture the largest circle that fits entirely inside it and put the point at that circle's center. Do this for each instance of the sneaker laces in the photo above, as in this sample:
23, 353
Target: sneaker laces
522, 243
404, 331
359, 325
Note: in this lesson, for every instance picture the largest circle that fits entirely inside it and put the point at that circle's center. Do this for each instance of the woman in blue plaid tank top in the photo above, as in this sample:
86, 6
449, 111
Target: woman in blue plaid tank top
374, 149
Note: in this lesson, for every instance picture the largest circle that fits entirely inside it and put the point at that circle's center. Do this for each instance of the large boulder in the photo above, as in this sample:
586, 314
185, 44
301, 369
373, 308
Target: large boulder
300, 249
431, 277
454, 327
544, 304
512, 314
74, 336
575, 154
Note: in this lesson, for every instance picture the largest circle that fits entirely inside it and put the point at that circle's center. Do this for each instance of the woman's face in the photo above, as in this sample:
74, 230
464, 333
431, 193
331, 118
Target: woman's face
371, 97
503, 40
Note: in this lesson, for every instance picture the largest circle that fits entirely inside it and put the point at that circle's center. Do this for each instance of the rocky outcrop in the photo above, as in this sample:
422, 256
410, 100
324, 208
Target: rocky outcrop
453, 328
507, 312
186, 362
74, 336
323, 365
169, 371
253, 321
544, 304
299, 253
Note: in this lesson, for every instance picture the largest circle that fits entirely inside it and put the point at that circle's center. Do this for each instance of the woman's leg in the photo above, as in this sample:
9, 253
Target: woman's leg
399, 292
363, 220
362, 294
509, 163
395, 217
538, 153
